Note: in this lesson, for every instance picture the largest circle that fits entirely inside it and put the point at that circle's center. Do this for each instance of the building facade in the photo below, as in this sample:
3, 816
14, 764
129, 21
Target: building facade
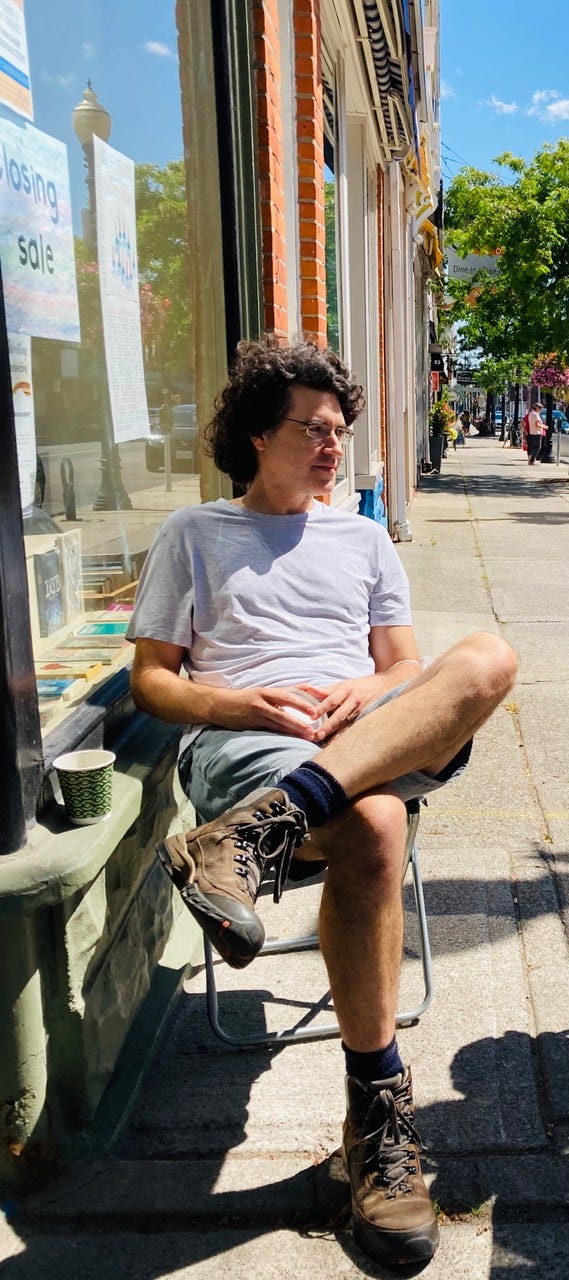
244, 169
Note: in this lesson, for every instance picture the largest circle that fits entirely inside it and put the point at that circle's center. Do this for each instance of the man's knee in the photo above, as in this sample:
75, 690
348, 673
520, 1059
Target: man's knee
492, 664
368, 838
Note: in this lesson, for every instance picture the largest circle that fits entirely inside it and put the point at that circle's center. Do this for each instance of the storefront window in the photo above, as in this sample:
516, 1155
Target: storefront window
95, 263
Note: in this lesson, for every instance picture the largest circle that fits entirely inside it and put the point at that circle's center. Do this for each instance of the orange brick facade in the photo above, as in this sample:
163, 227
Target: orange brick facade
270, 162
310, 144
310, 162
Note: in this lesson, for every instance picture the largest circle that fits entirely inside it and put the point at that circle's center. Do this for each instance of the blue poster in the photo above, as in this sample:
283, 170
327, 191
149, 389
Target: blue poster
36, 237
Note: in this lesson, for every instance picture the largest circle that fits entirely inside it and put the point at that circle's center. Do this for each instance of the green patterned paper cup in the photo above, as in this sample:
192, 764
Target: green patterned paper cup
86, 780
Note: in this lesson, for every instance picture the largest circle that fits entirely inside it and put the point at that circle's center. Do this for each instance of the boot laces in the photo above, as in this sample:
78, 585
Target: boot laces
393, 1143
270, 840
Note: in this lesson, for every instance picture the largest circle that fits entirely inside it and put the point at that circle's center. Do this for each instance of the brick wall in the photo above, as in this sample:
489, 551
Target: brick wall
270, 160
310, 142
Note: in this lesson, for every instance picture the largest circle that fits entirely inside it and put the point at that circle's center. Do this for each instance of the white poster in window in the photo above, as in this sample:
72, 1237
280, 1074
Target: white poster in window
19, 347
120, 303
15, 87
36, 237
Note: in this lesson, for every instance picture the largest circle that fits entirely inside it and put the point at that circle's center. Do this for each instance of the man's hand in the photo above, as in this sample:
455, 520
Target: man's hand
344, 702
266, 708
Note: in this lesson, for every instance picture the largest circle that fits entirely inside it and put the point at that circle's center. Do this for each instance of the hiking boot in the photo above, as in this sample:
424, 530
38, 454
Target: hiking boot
218, 868
393, 1218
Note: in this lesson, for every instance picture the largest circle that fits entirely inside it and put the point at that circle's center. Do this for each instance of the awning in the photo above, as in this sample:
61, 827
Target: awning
431, 244
388, 26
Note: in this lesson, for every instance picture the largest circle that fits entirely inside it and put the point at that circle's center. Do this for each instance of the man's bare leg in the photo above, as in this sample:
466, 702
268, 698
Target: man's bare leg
425, 726
361, 917
361, 935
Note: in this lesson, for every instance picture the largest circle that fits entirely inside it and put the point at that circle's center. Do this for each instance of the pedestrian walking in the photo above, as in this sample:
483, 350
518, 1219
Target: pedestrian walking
533, 429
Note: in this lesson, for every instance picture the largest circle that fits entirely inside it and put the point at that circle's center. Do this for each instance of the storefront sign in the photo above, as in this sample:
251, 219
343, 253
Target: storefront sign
36, 238
120, 304
19, 347
15, 88
464, 268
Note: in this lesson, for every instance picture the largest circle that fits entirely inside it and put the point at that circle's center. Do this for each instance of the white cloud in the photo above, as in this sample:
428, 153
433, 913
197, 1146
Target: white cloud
558, 110
88, 50
501, 108
157, 49
545, 103
446, 90
65, 81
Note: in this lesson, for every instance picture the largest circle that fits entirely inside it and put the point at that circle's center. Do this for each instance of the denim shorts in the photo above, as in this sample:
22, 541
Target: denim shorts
221, 766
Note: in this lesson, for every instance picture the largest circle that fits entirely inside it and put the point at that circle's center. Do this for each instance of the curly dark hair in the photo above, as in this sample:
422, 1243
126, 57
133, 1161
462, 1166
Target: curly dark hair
257, 396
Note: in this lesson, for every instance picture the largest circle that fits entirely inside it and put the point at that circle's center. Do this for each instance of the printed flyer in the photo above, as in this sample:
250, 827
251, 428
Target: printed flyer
36, 236
120, 304
15, 87
19, 347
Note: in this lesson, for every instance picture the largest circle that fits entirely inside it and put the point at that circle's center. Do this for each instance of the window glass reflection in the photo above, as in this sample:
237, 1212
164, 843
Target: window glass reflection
92, 186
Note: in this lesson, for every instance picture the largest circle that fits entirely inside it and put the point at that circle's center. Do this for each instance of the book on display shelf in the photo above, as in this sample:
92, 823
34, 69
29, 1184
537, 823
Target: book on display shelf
103, 628
84, 657
49, 594
92, 641
69, 546
78, 670
55, 688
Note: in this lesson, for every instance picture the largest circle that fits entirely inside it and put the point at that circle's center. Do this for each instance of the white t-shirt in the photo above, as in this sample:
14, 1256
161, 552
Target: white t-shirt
270, 600
535, 425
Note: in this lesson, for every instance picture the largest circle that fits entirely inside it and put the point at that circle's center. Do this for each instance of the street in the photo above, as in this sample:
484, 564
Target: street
85, 460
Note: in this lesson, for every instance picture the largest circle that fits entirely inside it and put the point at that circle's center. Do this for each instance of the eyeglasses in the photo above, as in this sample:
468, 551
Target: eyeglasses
319, 432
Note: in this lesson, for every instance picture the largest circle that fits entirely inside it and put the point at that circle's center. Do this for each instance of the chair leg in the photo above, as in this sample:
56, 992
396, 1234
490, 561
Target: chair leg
277, 946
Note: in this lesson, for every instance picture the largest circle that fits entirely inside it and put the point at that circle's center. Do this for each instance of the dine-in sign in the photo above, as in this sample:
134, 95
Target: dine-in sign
36, 237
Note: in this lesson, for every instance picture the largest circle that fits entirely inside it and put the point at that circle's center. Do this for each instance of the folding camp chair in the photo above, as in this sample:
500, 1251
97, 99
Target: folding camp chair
278, 946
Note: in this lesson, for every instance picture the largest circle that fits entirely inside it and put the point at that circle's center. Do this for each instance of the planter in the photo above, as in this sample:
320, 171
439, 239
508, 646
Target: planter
436, 446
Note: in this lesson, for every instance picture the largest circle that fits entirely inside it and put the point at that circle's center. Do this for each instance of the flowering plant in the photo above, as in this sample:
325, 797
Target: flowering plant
441, 417
550, 371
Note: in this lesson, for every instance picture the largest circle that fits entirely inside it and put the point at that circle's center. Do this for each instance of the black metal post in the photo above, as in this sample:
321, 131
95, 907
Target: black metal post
20, 737
548, 443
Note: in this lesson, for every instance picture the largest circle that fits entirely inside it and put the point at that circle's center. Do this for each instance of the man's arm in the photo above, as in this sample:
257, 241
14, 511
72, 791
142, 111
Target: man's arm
159, 689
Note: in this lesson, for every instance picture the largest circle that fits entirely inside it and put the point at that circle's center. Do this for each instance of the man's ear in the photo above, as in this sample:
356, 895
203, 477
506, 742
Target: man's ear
258, 443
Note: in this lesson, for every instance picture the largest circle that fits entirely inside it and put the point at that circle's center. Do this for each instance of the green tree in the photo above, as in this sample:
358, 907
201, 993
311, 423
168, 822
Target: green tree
332, 326
163, 258
524, 217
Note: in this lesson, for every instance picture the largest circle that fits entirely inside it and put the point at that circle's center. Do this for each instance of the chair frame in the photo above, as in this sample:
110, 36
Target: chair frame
278, 946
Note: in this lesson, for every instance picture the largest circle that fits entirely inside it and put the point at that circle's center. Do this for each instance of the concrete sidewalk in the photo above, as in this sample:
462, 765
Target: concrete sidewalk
228, 1165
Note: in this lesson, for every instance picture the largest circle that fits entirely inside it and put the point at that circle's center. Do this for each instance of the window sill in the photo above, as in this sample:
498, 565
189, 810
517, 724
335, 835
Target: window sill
58, 859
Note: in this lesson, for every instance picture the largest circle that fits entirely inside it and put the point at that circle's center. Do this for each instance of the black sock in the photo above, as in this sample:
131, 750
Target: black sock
315, 791
381, 1064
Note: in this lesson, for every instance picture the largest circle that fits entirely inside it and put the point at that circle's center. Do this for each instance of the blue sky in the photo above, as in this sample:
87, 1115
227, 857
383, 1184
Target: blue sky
505, 79
128, 48
504, 68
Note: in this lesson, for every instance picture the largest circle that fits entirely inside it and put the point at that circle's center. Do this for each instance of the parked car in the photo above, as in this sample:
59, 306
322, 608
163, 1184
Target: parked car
184, 440
560, 422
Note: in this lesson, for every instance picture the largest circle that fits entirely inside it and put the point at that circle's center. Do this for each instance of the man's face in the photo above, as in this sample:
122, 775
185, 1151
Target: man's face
288, 459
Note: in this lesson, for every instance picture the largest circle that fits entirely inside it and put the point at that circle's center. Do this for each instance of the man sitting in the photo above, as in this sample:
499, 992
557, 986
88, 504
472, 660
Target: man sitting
264, 599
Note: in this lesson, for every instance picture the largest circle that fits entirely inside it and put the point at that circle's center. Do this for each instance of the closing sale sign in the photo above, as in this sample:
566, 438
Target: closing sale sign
36, 237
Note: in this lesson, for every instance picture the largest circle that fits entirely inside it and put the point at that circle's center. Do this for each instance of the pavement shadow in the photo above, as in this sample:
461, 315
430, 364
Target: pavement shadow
189, 1117
503, 1142
501, 483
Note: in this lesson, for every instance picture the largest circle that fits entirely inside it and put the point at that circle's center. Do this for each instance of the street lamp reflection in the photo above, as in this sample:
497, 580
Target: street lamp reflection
91, 119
